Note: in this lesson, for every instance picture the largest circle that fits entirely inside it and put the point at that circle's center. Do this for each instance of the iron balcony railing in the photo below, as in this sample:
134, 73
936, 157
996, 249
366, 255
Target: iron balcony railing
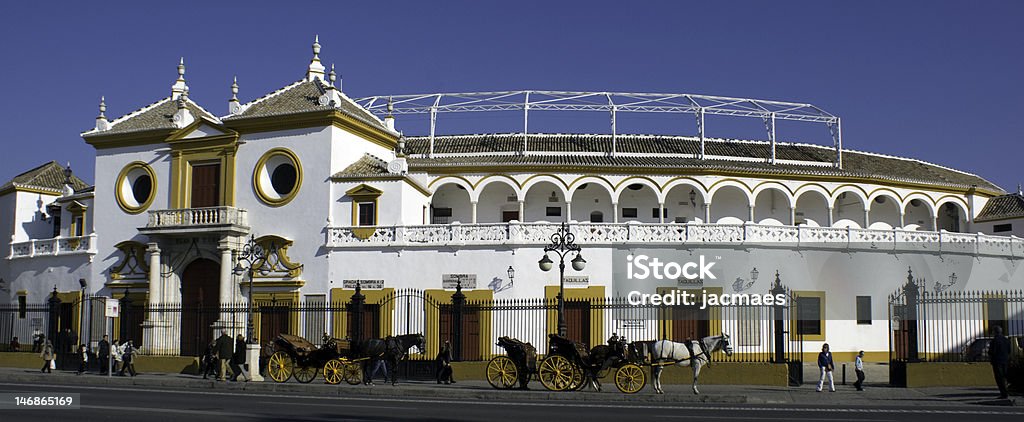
514, 233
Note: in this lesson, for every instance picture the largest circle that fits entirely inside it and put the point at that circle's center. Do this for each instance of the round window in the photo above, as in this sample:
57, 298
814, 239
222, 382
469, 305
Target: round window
135, 188
277, 177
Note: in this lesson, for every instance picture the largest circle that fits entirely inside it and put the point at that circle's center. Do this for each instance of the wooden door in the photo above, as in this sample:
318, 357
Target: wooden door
577, 319
689, 322
205, 185
200, 305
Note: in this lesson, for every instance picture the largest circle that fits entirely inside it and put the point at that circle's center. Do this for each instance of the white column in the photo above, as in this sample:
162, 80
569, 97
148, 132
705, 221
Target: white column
902, 220
661, 212
226, 265
522, 210
867, 219
831, 219
707, 212
615, 212
568, 211
935, 223
473, 204
792, 216
750, 213
155, 284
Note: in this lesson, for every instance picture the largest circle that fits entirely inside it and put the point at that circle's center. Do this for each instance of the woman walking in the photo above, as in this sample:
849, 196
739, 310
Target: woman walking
129, 358
238, 360
47, 355
117, 351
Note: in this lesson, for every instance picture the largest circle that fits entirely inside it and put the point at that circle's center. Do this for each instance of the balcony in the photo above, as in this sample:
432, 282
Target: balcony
605, 234
229, 220
58, 246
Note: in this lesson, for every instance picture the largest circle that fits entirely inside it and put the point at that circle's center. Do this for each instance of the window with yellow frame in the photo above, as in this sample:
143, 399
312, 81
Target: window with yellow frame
808, 320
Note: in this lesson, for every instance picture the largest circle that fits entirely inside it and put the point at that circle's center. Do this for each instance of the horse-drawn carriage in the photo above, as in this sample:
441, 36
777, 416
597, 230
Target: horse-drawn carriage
568, 365
296, 356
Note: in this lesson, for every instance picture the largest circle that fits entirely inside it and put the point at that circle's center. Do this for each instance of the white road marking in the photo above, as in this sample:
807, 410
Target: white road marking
626, 405
214, 413
765, 418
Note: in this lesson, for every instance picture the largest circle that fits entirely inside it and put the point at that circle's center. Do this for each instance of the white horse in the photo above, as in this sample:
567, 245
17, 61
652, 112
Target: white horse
665, 352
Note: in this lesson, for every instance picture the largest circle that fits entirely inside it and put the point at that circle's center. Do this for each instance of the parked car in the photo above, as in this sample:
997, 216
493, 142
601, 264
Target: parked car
977, 350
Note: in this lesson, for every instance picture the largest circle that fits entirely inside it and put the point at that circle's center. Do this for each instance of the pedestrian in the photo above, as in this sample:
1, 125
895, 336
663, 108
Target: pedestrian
37, 340
59, 346
83, 358
238, 360
104, 355
128, 358
999, 356
376, 365
444, 364
208, 364
858, 367
826, 367
116, 350
15, 345
225, 351
47, 354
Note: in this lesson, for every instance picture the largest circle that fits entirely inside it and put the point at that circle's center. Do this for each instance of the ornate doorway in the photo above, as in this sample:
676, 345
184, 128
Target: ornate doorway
200, 305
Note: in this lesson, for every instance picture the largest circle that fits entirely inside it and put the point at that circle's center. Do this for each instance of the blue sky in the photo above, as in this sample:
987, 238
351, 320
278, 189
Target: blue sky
939, 81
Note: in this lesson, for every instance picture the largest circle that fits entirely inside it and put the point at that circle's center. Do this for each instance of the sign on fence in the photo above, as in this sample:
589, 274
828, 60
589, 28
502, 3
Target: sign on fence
450, 281
112, 308
364, 284
577, 279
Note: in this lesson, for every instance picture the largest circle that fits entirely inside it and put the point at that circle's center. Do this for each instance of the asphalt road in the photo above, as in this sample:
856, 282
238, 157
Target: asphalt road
144, 404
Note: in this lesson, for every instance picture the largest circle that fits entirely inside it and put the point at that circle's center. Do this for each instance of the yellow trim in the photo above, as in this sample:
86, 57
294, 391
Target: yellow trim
121, 179
288, 300
444, 181
793, 324
77, 211
258, 170
188, 152
342, 296
282, 245
773, 183
317, 118
714, 311
580, 293
432, 325
140, 258
631, 179
984, 310
30, 189
120, 140
74, 298
871, 195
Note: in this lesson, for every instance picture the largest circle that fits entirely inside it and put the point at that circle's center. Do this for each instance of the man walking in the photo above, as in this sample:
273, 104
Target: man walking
999, 356
225, 350
826, 367
104, 355
858, 367
37, 340
238, 360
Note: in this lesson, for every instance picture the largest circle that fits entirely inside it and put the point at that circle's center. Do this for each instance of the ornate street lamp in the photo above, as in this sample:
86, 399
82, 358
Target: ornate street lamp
562, 242
511, 275
753, 275
693, 198
254, 258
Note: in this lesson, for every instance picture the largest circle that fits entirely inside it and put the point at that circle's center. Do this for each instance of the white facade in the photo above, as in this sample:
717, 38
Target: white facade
841, 235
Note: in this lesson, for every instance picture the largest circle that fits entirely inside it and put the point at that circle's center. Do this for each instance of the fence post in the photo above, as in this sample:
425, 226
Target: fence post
910, 291
54, 309
458, 301
356, 311
779, 321
126, 303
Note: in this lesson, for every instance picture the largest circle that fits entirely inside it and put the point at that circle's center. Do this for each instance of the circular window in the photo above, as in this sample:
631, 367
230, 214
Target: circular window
277, 177
135, 187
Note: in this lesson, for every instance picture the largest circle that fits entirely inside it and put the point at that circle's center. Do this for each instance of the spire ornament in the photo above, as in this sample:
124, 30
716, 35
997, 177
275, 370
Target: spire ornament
101, 121
234, 107
316, 69
179, 85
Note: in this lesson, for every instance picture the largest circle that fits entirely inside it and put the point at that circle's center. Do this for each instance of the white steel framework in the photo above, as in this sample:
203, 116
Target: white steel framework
611, 102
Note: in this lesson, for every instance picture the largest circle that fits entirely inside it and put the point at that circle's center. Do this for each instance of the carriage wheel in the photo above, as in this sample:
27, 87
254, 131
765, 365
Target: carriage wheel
630, 378
579, 380
352, 373
280, 366
333, 371
502, 373
557, 373
305, 374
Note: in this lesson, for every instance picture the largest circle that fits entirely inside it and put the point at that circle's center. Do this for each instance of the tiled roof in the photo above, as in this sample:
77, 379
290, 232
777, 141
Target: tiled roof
365, 166
303, 96
48, 176
1002, 207
670, 153
152, 117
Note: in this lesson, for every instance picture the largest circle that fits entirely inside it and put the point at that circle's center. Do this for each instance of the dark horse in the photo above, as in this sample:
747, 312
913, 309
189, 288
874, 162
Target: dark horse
391, 350
605, 356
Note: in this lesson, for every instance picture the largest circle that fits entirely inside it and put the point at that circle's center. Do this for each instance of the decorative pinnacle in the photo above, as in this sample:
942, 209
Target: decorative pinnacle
103, 107
181, 69
333, 76
391, 106
234, 89
316, 47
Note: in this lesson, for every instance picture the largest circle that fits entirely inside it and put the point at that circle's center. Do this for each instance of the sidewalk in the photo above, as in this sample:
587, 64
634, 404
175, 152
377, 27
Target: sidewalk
874, 395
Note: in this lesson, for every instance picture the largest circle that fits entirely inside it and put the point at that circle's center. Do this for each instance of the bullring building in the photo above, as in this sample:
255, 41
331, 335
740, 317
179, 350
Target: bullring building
340, 197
